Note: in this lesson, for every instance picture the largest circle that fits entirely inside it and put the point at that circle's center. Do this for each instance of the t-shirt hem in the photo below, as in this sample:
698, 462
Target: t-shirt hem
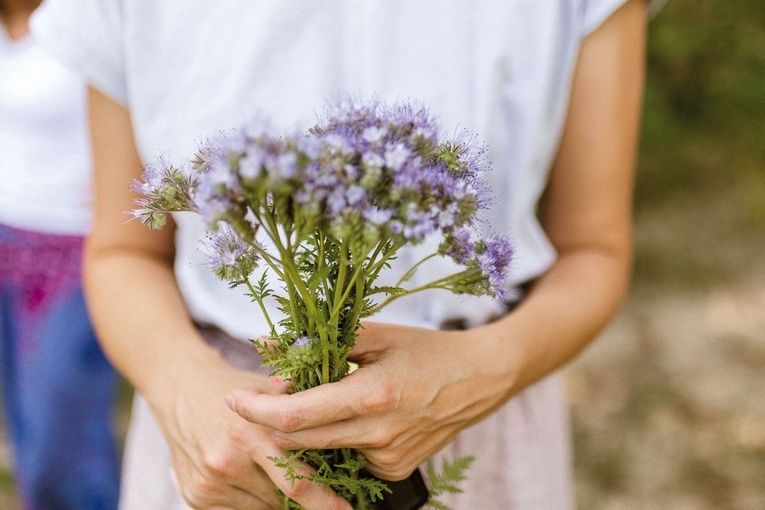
597, 15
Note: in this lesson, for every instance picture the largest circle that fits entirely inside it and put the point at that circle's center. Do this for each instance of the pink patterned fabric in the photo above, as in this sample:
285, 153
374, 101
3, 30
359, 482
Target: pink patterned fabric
45, 266
27, 254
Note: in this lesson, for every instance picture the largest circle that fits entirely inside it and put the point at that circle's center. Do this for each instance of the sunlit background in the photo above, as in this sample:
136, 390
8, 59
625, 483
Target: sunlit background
669, 405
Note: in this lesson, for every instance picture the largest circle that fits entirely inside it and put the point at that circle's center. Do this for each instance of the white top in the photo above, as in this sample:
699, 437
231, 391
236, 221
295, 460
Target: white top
44, 150
501, 68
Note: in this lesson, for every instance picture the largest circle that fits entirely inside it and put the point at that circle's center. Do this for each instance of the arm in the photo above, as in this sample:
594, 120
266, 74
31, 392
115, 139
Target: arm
220, 460
418, 388
586, 210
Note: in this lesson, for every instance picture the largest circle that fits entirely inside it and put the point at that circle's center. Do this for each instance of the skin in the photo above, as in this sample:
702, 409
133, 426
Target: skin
14, 15
220, 460
416, 389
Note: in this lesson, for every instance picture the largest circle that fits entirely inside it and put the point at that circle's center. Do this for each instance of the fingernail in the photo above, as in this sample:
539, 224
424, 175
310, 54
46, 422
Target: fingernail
277, 379
231, 402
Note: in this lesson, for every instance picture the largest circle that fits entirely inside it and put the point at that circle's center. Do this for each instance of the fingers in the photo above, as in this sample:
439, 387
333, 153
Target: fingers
234, 498
313, 408
234, 479
222, 475
310, 495
202, 491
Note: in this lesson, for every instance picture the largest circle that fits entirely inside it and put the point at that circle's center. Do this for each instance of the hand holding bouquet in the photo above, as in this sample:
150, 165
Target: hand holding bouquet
324, 212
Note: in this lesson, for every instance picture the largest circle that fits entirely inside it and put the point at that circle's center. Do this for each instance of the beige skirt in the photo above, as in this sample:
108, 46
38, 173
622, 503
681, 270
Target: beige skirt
522, 451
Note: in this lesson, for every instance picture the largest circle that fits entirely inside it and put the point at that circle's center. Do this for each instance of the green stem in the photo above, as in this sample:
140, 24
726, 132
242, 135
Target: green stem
320, 267
286, 273
359, 294
340, 283
324, 356
333, 319
256, 295
373, 271
288, 263
441, 283
296, 287
413, 269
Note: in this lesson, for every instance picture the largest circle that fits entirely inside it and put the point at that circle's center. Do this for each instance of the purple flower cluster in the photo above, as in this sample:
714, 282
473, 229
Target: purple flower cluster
494, 254
366, 173
365, 167
165, 188
459, 246
228, 255
487, 258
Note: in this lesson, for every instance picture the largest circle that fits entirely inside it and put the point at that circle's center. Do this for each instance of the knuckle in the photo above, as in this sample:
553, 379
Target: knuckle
391, 472
297, 489
387, 460
379, 440
381, 398
238, 431
288, 421
398, 474
218, 464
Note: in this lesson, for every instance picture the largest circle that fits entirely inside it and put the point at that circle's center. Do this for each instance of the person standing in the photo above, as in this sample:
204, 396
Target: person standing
59, 389
554, 86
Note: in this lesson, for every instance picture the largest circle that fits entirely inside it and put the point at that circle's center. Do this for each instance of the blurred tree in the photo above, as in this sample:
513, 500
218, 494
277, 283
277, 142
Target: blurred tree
700, 195
704, 129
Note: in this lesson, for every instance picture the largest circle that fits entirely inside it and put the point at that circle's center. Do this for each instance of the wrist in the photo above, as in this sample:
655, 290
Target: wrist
501, 354
176, 365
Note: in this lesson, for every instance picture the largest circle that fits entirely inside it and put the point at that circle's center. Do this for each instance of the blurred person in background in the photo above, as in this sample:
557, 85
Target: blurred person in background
58, 387
555, 86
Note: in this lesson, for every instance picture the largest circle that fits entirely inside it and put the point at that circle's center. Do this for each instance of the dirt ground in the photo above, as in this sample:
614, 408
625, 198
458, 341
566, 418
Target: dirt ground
668, 405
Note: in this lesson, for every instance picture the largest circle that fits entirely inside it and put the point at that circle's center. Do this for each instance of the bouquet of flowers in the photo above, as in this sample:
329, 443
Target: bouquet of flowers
325, 211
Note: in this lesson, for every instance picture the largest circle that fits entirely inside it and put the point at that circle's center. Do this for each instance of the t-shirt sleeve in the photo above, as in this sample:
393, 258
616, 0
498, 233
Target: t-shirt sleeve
85, 35
595, 12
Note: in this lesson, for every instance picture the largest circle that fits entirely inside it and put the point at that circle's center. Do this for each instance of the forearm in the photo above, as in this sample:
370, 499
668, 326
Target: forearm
140, 316
586, 210
563, 312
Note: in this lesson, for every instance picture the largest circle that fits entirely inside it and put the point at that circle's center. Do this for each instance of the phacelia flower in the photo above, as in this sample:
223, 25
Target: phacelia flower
230, 257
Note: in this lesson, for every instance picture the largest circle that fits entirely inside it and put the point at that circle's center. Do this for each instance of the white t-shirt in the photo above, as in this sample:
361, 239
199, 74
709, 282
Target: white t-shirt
186, 70
45, 160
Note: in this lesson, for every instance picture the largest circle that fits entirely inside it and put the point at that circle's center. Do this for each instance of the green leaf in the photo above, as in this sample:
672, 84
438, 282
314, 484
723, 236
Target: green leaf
386, 290
446, 480
316, 278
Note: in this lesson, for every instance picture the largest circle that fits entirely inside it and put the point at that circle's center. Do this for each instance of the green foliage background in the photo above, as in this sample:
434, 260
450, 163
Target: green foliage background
702, 157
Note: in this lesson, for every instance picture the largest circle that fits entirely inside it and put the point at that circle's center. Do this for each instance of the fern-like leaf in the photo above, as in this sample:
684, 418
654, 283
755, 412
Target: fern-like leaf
446, 480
